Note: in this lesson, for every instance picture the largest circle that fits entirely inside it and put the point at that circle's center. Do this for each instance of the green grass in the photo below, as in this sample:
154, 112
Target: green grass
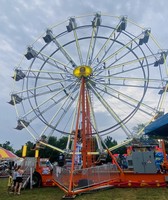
110, 194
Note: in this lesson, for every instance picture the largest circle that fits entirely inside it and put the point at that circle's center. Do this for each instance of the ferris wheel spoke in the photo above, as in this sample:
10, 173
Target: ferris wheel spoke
125, 46
74, 119
94, 124
73, 116
44, 71
111, 111
103, 64
120, 72
121, 26
128, 63
113, 34
121, 65
30, 133
34, 132
65, 110
65, 77
134, 86
38, 114
125, 64
73, 26
92, 48
136, 79
48, 75
39, 87
126, 54
44, 78
135, 82
95, 24
78, 47
53, 62
65, 53
119, 98
129, 98
128, 70
69, 104
48, 99
43, 93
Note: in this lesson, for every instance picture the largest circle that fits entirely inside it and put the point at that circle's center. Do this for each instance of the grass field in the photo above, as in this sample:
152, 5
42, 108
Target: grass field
110, 194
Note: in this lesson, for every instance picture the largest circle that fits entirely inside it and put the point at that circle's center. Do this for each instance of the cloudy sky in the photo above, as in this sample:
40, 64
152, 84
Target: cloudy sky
21, 22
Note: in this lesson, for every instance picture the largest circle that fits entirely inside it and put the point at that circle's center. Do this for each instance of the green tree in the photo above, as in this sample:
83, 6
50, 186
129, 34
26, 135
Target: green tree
138, 128
7, 145
53, 154
50, 153
19, 153
61, 143
30, 147
110, 142
46, 152
30, 152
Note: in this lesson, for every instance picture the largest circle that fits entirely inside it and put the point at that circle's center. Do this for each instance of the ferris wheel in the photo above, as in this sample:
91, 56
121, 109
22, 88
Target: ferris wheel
95, 74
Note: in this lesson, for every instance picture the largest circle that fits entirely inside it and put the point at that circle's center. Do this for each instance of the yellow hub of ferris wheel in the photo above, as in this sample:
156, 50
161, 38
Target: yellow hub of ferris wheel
82, 71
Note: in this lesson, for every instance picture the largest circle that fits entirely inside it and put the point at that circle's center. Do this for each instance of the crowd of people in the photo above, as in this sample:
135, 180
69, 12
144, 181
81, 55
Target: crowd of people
15, 180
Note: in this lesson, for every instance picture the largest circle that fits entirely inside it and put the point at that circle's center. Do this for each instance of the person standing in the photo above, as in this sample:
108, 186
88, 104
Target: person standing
14, 174
19, 180
10, 182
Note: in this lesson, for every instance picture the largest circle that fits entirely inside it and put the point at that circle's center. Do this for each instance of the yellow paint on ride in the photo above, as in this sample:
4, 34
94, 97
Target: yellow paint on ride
24, 150
36, 153
82, 71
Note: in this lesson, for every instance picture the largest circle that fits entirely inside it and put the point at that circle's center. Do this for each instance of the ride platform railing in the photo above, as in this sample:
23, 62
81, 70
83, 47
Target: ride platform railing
88, 177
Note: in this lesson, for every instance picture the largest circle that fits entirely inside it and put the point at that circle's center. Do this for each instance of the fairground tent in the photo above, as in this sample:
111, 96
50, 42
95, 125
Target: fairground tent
7, 155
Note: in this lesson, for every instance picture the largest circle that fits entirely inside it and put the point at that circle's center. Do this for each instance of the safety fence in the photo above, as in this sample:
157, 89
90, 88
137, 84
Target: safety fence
83, 178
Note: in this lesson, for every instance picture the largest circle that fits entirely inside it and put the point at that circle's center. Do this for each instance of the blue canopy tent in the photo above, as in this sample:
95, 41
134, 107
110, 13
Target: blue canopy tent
158, 127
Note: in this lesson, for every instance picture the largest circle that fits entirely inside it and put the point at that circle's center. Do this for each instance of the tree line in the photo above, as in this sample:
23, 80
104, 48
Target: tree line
46, 152
53, 155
